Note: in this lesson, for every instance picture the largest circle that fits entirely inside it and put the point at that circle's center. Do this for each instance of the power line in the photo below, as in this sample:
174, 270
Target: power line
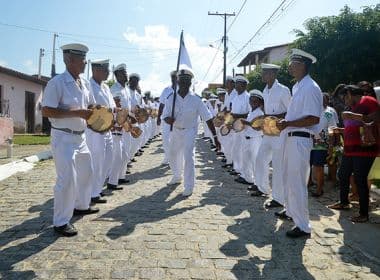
212, 61
238, 13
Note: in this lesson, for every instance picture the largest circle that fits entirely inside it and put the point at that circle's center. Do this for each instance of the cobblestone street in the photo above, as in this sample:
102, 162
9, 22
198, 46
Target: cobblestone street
149, 231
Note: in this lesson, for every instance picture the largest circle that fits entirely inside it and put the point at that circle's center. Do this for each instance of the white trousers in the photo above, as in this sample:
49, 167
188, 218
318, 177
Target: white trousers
74, 170
237, 150
100, 146
227, 142
250, 149
117, 160
296, 169
125, 153
270, 151
181, 153
165, 139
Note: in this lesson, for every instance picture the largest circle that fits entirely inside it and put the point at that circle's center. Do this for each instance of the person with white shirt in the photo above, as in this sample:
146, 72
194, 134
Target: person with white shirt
297, 129
164, 126
65, 102
252, 137
228, 139
100, 144
239, 109
122, 139
188, 107
276, 101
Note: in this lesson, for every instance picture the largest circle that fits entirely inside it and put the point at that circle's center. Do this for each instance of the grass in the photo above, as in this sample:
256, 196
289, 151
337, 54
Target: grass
30, 139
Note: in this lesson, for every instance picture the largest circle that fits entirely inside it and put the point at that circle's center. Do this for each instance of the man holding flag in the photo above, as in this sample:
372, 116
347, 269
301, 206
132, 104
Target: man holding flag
182, 111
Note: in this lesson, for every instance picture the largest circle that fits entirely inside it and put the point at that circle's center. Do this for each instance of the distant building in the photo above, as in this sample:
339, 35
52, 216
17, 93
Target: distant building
20, 99
268, 55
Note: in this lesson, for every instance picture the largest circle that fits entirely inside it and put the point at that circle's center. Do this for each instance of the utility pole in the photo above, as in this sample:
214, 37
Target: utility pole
88, 69
42, 53
53, 59
224, 15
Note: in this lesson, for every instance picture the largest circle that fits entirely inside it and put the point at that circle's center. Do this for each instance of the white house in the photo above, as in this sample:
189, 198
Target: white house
271, 54
20, 99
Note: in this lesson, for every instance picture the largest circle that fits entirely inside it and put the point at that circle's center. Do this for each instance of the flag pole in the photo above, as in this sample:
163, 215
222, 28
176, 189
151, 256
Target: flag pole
175, 84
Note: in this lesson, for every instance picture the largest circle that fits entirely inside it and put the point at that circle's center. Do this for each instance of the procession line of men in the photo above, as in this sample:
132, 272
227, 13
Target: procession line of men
85, 159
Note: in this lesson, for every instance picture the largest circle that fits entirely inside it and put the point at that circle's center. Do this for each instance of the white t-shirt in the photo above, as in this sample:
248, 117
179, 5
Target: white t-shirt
165, 93
328, 118
62, 92
228, 99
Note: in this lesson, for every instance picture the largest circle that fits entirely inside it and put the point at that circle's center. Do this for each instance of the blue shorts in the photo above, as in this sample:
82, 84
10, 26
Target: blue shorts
318, 157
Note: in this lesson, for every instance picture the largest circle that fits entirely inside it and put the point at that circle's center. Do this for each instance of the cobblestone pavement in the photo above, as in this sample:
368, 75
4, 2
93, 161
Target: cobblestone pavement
21, 151
148, 231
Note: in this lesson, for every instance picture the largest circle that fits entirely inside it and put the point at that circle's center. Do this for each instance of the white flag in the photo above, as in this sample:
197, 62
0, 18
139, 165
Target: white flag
184, 58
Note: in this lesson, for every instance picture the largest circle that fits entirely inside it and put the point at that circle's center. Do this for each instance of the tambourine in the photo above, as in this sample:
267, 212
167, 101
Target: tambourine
136, 132
141, 115
238, 125
258, 122
127, 126
218, 122
224, 130
270, 126
121, 116
101, 119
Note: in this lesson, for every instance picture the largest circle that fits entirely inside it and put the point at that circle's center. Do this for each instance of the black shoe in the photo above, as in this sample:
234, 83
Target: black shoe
87, 211
252, 187
213, 146
133, 160
219, 154
128, 172
123, 181
98, 200
282, 215
233, 173
227, 165
102, 194
114, 187
66, 230
129, 165
241, 180
272, 204
257, 193
296, 232
141, 150
138, 154
224, 160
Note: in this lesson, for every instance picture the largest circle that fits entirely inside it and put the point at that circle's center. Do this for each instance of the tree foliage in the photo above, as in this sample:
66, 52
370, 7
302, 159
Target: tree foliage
346, 46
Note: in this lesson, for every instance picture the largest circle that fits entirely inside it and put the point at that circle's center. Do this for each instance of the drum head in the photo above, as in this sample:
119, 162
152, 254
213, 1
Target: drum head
224, 130
228, 119
101, 119
136, 132
218, 122
270, 127
141, 115
258, 122
121, 116
127, 126
238, 125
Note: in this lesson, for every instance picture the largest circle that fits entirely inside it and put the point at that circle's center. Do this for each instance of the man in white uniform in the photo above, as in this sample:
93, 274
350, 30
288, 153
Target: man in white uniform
298, 127
239, 108
165, 127
121, 137
187, 110
227, 140
276, 101
65, 102
100, 144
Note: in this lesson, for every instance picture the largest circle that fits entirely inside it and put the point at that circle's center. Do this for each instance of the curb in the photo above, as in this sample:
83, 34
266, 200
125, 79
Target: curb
39, 157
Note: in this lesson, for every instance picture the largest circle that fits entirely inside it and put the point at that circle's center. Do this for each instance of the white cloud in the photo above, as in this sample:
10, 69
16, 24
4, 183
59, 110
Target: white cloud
3, 63
30, 67
139, 8
156, 38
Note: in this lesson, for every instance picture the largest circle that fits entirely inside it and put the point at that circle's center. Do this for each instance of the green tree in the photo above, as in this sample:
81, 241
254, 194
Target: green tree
346, 46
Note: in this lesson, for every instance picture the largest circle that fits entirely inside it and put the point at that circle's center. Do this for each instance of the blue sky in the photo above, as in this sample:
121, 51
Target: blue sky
144, 34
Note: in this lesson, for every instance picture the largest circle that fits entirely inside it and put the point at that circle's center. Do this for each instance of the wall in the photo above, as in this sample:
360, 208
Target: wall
13, 89
278, 54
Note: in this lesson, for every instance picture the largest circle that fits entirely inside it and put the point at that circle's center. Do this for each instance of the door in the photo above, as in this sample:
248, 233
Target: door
29, 112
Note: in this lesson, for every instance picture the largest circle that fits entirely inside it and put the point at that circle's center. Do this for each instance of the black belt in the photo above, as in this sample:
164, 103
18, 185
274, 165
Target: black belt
68, 130
248, 137
114, 133
299, 134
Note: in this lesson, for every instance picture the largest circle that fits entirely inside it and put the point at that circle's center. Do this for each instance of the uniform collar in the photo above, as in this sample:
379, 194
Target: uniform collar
68, 77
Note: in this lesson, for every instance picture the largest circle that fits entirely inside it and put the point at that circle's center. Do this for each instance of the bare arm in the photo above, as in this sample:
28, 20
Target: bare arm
50, 112
302, 122
211, 126
160, 110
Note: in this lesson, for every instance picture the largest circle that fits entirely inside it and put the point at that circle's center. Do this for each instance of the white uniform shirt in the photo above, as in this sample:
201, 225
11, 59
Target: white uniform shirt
219, 106
187, 110
136, 99
249, 131
118, 90
211, 108
102, 94
240, 104
165, 93
307, 100
228, 99
276, 99
62, 92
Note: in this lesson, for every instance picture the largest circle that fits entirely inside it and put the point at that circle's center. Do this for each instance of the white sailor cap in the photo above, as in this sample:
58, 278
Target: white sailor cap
100, 62
134, 75
220, 90
78, 49
256, 93
185, 70
230, 78
241, 79
213, 96
297, 54
119, 67
268, 66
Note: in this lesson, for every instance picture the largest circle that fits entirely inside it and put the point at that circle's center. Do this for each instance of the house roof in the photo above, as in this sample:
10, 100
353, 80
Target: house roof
23, 76
250, 57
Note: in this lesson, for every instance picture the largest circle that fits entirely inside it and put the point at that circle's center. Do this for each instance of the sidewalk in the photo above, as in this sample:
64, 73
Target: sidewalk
21, 151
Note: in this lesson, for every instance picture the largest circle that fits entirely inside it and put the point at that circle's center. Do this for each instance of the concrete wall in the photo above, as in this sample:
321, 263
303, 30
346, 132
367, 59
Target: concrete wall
13, 89
278, 54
